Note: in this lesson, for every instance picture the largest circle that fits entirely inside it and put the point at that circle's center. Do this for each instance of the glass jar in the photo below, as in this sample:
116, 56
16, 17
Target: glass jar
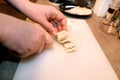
112, 10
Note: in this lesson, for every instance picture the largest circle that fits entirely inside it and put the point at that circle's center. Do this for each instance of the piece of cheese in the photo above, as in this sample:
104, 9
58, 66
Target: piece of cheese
62, 38
61, 35
65, 41
69, 45
71, 50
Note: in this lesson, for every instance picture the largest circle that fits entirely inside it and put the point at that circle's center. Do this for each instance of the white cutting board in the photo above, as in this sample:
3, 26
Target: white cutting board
87, 63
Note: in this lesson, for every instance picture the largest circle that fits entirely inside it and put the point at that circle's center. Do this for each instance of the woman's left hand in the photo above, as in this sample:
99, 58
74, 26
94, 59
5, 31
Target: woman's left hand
48, 16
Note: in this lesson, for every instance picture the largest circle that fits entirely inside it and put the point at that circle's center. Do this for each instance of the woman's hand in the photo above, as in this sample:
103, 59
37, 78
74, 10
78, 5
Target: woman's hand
23, 37
49, 17
42, 14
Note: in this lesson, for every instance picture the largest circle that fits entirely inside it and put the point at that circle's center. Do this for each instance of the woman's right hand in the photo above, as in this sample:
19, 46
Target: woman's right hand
23, 37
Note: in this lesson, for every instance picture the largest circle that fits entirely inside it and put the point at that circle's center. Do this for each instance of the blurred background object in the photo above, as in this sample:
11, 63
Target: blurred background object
85, 3
82, 3
2, 2
61, 1
101, 7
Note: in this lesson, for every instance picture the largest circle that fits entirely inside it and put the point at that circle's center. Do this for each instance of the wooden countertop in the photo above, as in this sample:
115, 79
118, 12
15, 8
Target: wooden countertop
109, 43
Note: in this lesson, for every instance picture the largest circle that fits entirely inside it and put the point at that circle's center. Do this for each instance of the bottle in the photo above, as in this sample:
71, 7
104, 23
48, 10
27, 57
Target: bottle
113, 7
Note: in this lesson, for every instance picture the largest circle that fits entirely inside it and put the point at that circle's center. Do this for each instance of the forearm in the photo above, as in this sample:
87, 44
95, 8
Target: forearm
25, 6
11, 31
3, 23
6, 22
21, 5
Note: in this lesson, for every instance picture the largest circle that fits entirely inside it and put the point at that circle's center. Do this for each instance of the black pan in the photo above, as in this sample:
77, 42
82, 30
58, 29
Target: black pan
67, 6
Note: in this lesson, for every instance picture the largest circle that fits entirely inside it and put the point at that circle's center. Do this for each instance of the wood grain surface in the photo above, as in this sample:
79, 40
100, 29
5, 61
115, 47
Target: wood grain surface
109, 43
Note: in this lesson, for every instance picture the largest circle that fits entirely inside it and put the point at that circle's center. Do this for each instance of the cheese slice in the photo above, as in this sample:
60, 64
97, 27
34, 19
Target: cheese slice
65, 41
69, 45
62, 38
61, 35
71, 50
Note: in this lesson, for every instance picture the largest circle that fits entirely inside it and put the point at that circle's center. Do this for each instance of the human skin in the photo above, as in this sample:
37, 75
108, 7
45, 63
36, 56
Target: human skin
27, 38
42, 14
23, 37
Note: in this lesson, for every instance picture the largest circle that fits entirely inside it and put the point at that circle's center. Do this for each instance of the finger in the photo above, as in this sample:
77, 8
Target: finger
59, 28
62, 20
64, 24
49, 27
49, 41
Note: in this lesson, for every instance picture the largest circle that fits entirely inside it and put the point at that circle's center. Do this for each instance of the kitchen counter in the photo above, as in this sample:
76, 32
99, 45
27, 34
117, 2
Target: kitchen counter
87, 63
109, 44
